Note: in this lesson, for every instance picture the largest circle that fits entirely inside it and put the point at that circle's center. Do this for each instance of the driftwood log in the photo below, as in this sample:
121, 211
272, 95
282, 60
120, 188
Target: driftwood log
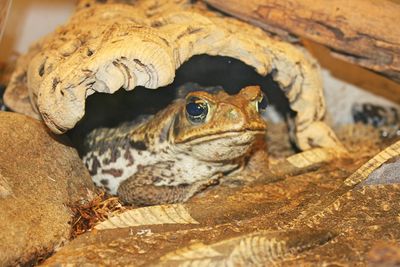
363, 32
108, 46
4, 7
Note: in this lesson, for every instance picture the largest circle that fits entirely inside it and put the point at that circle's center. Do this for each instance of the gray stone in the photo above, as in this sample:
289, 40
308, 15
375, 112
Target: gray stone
388, 173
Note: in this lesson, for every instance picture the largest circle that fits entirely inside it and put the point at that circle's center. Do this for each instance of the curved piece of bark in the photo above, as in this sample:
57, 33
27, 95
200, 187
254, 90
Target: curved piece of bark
261, 248
108, 46
4, 9
362, 32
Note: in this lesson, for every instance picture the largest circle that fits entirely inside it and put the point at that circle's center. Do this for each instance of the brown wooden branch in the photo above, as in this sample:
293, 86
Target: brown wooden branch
364, 32
4, 8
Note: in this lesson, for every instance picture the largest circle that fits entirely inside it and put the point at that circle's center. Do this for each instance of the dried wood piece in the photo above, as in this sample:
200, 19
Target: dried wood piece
333, 200
364, 32
262, 248
4, 9
160, 214
109, 46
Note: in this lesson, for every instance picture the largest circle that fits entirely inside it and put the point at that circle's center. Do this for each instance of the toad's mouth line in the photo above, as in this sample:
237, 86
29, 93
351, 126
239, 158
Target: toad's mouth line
227, 134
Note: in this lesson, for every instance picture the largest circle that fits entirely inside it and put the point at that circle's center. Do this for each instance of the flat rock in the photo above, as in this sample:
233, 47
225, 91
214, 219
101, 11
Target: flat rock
40, 176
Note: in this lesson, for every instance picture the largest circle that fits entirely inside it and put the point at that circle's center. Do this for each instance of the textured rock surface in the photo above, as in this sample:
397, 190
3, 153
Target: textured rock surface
39, 177
262, 224
105, 47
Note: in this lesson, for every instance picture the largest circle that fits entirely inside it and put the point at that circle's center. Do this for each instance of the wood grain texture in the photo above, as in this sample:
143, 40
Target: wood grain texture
364, 32
106, 46
4, 8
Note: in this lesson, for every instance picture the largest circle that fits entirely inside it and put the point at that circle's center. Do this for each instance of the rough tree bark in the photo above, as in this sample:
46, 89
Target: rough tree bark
4, 7
364, 32
106, 46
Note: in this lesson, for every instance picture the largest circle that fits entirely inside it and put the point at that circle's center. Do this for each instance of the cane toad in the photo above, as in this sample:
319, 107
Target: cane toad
181, 150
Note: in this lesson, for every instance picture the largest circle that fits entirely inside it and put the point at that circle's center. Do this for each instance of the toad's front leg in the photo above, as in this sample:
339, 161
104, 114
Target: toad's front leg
133, 191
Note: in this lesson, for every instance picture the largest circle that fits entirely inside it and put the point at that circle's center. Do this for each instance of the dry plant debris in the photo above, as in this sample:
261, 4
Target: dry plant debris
100, 208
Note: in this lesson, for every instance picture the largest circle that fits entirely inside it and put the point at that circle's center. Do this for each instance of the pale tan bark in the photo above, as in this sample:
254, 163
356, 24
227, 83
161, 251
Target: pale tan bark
105, 47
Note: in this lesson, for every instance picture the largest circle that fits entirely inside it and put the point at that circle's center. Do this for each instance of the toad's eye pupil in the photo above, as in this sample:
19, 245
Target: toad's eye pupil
263, 103
196, 110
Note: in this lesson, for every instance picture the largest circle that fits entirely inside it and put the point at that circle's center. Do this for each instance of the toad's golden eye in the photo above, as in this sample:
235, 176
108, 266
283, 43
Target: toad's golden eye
196, 109
262, 103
